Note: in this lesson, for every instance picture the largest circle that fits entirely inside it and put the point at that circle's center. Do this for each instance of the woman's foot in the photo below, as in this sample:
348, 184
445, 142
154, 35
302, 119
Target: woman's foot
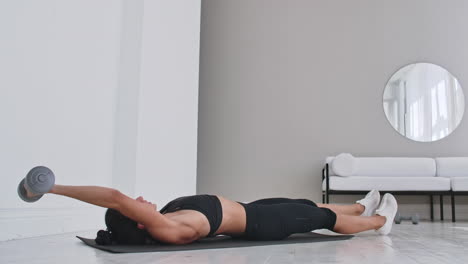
370, 203
388, 208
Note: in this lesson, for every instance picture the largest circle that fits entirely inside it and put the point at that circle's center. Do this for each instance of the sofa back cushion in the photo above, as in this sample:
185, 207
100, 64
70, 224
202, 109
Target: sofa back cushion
452, 167
391, 167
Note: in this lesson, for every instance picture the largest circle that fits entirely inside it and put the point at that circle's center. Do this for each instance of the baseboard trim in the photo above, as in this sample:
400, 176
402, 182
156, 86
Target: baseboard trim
21, 223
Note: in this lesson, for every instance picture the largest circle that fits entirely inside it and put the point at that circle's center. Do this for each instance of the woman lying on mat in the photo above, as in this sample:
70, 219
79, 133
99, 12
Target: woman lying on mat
186, 219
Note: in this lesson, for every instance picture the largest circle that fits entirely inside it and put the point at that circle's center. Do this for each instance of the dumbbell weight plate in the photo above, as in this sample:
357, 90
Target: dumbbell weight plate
397, 218
415, 219
23, 194
40, 179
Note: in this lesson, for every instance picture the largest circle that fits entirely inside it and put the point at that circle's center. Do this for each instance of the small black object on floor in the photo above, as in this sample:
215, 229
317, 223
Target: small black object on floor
214, 242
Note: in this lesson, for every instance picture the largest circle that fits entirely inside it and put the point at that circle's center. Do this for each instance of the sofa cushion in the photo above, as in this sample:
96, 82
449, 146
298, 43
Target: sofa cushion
452, 167
329, 161
391, 167
459, 184
344, 164
362, 183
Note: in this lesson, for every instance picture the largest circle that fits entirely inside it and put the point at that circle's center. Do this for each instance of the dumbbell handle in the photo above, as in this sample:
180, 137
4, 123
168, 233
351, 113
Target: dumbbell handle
406, 217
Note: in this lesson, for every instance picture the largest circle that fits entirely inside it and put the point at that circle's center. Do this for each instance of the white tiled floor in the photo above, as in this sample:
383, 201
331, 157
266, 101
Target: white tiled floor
424, 243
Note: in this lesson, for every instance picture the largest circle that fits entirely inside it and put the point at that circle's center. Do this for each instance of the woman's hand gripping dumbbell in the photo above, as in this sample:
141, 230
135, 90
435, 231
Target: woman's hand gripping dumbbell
37, 182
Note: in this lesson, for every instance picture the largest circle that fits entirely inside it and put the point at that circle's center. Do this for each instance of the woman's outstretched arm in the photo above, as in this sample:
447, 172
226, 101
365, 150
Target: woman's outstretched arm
144, 213
155, 223
97, 195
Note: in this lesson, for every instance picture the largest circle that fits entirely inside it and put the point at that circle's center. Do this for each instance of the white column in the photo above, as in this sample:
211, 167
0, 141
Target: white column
126, 116
168, 100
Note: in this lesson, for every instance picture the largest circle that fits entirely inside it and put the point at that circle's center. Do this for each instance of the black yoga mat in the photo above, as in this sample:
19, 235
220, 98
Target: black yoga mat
214, 242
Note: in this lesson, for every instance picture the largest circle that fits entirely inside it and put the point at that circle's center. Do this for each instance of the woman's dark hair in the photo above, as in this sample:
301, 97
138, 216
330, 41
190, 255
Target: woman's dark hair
122, 230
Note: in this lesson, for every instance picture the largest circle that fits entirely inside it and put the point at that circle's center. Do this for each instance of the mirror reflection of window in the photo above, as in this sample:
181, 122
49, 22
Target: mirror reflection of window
424, 102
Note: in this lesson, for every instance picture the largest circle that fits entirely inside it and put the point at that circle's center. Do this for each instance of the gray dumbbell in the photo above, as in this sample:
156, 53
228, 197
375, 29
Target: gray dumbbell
414, 218
38, 181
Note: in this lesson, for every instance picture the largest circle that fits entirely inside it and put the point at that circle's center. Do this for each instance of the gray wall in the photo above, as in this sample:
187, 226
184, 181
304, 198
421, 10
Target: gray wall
283, 84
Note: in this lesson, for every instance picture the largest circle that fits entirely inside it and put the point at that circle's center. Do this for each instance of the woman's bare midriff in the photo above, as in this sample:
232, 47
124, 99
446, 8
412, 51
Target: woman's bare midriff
233, 222
234, 218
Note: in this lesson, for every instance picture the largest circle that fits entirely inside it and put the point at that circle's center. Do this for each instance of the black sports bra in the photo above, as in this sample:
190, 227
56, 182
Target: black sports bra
209, 205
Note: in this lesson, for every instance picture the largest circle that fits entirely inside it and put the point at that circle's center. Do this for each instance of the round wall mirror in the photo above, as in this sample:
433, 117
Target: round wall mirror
423, 102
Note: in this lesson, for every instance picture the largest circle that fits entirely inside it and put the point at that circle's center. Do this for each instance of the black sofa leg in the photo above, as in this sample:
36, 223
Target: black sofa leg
442, 207
432, 207
453, 207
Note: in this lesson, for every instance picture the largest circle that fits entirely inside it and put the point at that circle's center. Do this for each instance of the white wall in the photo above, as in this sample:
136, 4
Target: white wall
284, 84
58, 74
70, 99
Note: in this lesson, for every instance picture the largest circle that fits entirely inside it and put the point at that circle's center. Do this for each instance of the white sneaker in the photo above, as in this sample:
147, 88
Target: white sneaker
388, 208
370, 202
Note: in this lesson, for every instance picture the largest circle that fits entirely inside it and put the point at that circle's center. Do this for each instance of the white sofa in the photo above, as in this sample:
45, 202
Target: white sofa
397, 175
455, 169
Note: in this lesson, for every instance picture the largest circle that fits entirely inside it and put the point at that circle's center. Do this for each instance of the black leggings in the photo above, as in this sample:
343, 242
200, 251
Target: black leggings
278, 218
